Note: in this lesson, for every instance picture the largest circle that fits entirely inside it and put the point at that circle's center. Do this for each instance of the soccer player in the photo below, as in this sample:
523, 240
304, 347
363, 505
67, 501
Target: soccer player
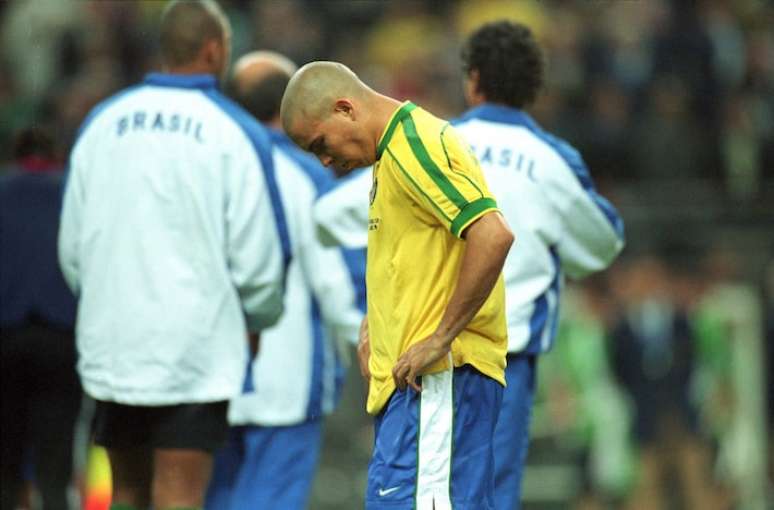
436, 310
172, 237
548, 197
296, 377
546, 194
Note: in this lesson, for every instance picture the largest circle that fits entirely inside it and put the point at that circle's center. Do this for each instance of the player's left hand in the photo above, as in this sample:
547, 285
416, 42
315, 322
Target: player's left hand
416, 360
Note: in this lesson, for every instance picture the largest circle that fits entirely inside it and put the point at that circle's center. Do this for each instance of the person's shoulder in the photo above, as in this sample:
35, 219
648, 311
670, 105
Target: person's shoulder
497, 124
294, 179
429, 125
320, 177
419, 135
234, 111
256, 133
104, 107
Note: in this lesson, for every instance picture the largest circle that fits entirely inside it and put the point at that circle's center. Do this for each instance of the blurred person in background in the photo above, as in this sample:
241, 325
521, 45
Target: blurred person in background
434, 354
295, 378
654, 356
172, 238
670, 142
547, 195
728, 386
581, 419
769, 367
41, 394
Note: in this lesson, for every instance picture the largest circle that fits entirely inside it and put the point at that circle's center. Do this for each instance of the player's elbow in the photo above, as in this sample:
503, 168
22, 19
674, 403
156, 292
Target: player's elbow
492, 231
503, 242
506, 237
502, 237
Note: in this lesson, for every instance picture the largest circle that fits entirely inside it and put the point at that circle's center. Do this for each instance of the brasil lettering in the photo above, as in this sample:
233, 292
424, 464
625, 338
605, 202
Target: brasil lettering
160, 122
506, 158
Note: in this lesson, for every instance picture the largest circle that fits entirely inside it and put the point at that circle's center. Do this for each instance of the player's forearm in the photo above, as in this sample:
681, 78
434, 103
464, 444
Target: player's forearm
488, 241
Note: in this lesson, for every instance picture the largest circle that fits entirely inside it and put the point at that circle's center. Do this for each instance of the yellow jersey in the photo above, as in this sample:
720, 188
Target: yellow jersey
427, 188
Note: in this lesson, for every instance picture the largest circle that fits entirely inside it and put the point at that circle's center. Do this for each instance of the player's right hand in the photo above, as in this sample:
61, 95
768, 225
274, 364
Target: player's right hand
364, 349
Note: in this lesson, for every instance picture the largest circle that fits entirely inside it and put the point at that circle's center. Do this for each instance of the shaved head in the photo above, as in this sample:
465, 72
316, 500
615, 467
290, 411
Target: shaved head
186, 25
328, 111
313, 91
259, 81
253, 67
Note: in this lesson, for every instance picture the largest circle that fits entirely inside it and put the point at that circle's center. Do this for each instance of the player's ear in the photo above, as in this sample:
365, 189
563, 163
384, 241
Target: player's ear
212, 54
344, 107
472, 90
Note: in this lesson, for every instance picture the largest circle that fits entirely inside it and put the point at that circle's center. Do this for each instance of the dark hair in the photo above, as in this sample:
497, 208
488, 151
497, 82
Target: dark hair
508, 60
263, 99
33, 141
185, 26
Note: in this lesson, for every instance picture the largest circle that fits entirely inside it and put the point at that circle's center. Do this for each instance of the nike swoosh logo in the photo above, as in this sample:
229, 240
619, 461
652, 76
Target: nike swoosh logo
384, 492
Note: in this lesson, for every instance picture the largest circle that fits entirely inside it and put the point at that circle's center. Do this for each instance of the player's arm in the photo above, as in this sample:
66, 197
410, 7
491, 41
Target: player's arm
252, 242
70, 224
488, 240
333, 286
364, 349
592, 230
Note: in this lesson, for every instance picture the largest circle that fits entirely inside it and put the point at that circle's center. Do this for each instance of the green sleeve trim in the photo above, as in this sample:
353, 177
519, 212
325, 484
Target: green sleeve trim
448, 162
399, 114
418, 187
435, 173
473, 211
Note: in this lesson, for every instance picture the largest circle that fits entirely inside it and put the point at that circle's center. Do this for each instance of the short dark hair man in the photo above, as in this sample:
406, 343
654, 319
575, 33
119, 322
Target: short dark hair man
547, 196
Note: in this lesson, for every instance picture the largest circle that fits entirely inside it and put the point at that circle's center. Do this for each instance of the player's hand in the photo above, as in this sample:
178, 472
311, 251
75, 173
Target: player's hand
364, 349
416, 360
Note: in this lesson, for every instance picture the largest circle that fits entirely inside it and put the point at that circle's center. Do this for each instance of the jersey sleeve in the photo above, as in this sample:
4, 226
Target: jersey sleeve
255, 258
592, 229
441, 173
341, 214
332, 287
68, 243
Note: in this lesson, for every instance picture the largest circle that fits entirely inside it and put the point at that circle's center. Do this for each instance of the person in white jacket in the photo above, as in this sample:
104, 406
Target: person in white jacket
295, 379
543, 188
174, 239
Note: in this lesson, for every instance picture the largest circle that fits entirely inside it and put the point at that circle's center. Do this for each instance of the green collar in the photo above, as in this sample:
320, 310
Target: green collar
400, 114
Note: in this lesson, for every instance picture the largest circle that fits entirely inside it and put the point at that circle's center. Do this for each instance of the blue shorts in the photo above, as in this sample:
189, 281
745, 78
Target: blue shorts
433, 450
265, 467
512, 432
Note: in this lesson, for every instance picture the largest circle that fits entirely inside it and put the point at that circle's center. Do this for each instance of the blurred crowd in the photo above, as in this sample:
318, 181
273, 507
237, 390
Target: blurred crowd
653, 395
660, 385
646, 89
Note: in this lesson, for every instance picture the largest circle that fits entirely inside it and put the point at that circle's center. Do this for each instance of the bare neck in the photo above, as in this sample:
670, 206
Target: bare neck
192, 68
383, 109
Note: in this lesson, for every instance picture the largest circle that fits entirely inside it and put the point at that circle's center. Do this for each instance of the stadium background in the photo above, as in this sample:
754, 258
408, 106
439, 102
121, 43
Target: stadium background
672, 106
